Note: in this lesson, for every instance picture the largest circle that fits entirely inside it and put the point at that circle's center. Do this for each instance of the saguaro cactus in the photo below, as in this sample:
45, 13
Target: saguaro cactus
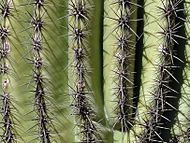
100, 71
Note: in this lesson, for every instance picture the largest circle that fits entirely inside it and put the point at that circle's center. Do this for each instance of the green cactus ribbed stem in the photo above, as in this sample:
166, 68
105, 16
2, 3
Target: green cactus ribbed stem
79, 15
123, 56
41, 110
123, 14
168, 83
87, 59
8, 135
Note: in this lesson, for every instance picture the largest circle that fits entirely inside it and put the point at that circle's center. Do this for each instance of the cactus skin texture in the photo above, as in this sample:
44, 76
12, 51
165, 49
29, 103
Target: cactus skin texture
168, 83
86, 61
40, 92
79, 13
9, 134
124, 18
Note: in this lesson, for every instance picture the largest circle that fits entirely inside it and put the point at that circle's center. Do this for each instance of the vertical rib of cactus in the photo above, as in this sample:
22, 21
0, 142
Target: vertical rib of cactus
8, 135
124, 55
168, 82
37, 61
79, 14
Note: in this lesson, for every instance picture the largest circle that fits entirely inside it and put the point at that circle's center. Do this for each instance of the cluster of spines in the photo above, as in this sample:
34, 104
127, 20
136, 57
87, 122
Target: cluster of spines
167, 90
79, 13
124, 55
8, 134
43, 119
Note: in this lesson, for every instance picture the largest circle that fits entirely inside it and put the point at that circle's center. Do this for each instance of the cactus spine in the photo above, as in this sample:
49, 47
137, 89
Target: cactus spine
79, 17
41, 110
167, 91
8, 135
